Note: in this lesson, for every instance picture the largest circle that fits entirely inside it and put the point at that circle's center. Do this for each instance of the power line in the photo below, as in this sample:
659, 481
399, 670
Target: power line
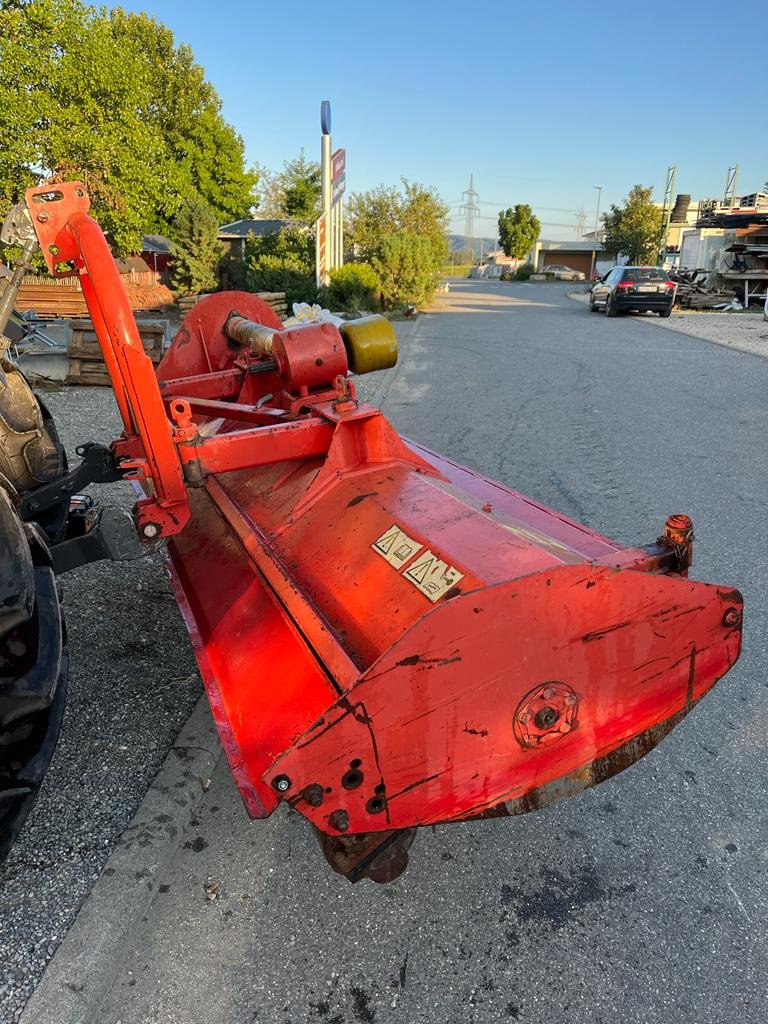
470, 209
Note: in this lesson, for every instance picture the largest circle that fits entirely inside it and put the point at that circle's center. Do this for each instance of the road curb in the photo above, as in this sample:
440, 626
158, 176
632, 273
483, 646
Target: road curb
83, 971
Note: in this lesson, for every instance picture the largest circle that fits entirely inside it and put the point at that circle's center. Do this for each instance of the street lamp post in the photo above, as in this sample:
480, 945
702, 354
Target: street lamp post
599, 189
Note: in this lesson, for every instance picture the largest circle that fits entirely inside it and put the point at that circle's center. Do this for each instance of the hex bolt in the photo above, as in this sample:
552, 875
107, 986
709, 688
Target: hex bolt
42, 217
313, 794
150, 530
732, 617
281, 783
339, 820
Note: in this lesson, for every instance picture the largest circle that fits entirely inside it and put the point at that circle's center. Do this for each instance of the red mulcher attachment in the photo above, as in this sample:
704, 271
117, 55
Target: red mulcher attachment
387, 639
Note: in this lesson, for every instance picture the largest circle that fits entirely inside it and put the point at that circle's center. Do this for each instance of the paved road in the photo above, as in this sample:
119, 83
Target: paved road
644, 900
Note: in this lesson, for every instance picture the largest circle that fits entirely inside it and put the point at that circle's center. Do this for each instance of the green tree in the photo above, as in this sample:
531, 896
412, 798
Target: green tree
108, 97
518, 230
295, 193
406, 270
382, 212
633, 229
195, 248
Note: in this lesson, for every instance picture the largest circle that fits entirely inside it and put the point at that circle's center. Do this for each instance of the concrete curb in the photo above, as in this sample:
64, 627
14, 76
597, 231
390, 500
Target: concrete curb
81, 974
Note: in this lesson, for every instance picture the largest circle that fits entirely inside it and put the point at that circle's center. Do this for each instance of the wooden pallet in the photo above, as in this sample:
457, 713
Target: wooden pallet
86, 365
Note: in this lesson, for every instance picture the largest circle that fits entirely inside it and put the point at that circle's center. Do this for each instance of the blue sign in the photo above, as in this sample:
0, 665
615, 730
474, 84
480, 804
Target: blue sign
325, 117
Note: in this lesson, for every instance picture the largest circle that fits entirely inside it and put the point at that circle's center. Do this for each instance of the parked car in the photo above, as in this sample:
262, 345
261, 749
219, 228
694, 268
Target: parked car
633, 288
562, 273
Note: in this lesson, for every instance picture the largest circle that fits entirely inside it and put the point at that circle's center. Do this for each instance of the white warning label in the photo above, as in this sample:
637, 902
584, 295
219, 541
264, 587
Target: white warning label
397, 547
432, 576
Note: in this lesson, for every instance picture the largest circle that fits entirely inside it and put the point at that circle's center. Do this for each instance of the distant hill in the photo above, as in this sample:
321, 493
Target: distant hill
458, 243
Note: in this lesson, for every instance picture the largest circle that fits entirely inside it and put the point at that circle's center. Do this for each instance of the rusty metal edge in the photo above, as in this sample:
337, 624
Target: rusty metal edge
83, 970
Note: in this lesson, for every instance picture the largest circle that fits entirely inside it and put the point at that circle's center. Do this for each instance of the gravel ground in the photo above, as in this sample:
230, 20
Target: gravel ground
125, 708
747, 332
124, 711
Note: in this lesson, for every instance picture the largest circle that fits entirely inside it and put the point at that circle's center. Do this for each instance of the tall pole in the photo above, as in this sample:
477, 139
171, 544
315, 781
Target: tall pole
597, 222
323, 276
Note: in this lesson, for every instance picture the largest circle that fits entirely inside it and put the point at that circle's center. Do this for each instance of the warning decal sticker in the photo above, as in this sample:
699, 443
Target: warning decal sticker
432, 576
397, 547
428, 572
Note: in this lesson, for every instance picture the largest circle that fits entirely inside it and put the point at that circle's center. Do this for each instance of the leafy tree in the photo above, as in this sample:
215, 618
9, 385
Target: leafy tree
382, 212
195, 248
109, 98
518, 230
405, 266
294, 193
633, 229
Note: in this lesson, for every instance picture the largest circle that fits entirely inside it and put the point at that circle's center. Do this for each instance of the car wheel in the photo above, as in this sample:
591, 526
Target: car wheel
610, 308
666, 312
592, 307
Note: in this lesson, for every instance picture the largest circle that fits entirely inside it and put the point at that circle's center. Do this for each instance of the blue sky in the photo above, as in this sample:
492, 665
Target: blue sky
540, 101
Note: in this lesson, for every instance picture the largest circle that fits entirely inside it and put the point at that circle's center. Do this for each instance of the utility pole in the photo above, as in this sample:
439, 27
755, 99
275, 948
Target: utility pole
599, 189
580, 219
666, 211
731, 180
470, 209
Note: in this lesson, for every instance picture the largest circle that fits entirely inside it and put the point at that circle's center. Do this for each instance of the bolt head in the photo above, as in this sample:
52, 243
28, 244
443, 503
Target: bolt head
150, 530
282, 783
732, 617
42, 217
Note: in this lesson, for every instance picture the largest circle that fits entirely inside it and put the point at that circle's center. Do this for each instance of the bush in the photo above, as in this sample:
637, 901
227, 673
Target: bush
407, 270
293, 248
354, 286
284, 262
273, 275
524, 272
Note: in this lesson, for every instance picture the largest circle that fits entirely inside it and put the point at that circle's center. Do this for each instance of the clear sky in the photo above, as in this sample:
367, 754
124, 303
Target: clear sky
541, 101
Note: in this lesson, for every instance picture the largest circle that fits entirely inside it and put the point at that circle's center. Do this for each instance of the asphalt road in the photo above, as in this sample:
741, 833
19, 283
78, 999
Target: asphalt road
643, 900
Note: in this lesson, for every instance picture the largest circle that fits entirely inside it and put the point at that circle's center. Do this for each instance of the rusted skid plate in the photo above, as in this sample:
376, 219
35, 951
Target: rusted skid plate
432, 726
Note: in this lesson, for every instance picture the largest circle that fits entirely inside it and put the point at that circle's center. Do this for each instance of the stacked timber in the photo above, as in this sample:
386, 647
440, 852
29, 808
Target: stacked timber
692, 293
277, 300
51, 299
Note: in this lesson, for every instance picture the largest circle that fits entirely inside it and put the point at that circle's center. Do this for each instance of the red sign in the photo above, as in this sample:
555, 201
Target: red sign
322, 261
338, 163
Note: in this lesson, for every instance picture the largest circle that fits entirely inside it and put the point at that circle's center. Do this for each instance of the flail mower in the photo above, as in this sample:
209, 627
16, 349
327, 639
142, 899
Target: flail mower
387, 639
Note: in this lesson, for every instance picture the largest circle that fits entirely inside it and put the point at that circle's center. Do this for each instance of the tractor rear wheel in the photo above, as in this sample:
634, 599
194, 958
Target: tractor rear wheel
33, 654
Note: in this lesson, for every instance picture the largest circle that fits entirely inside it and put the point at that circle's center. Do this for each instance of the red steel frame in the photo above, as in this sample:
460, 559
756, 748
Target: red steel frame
335, 683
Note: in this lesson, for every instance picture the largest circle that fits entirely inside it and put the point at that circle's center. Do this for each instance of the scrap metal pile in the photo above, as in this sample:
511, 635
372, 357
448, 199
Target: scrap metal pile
693, 293
388, 639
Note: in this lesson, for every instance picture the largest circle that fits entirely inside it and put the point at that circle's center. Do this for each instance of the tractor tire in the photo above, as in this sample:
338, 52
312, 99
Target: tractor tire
33, 669
33, 654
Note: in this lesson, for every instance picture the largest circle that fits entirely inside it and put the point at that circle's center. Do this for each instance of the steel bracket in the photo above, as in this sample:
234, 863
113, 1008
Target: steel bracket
98, 467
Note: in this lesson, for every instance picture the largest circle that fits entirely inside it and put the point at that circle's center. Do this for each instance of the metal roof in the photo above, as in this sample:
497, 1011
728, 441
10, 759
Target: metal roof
243, 228
155, 243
